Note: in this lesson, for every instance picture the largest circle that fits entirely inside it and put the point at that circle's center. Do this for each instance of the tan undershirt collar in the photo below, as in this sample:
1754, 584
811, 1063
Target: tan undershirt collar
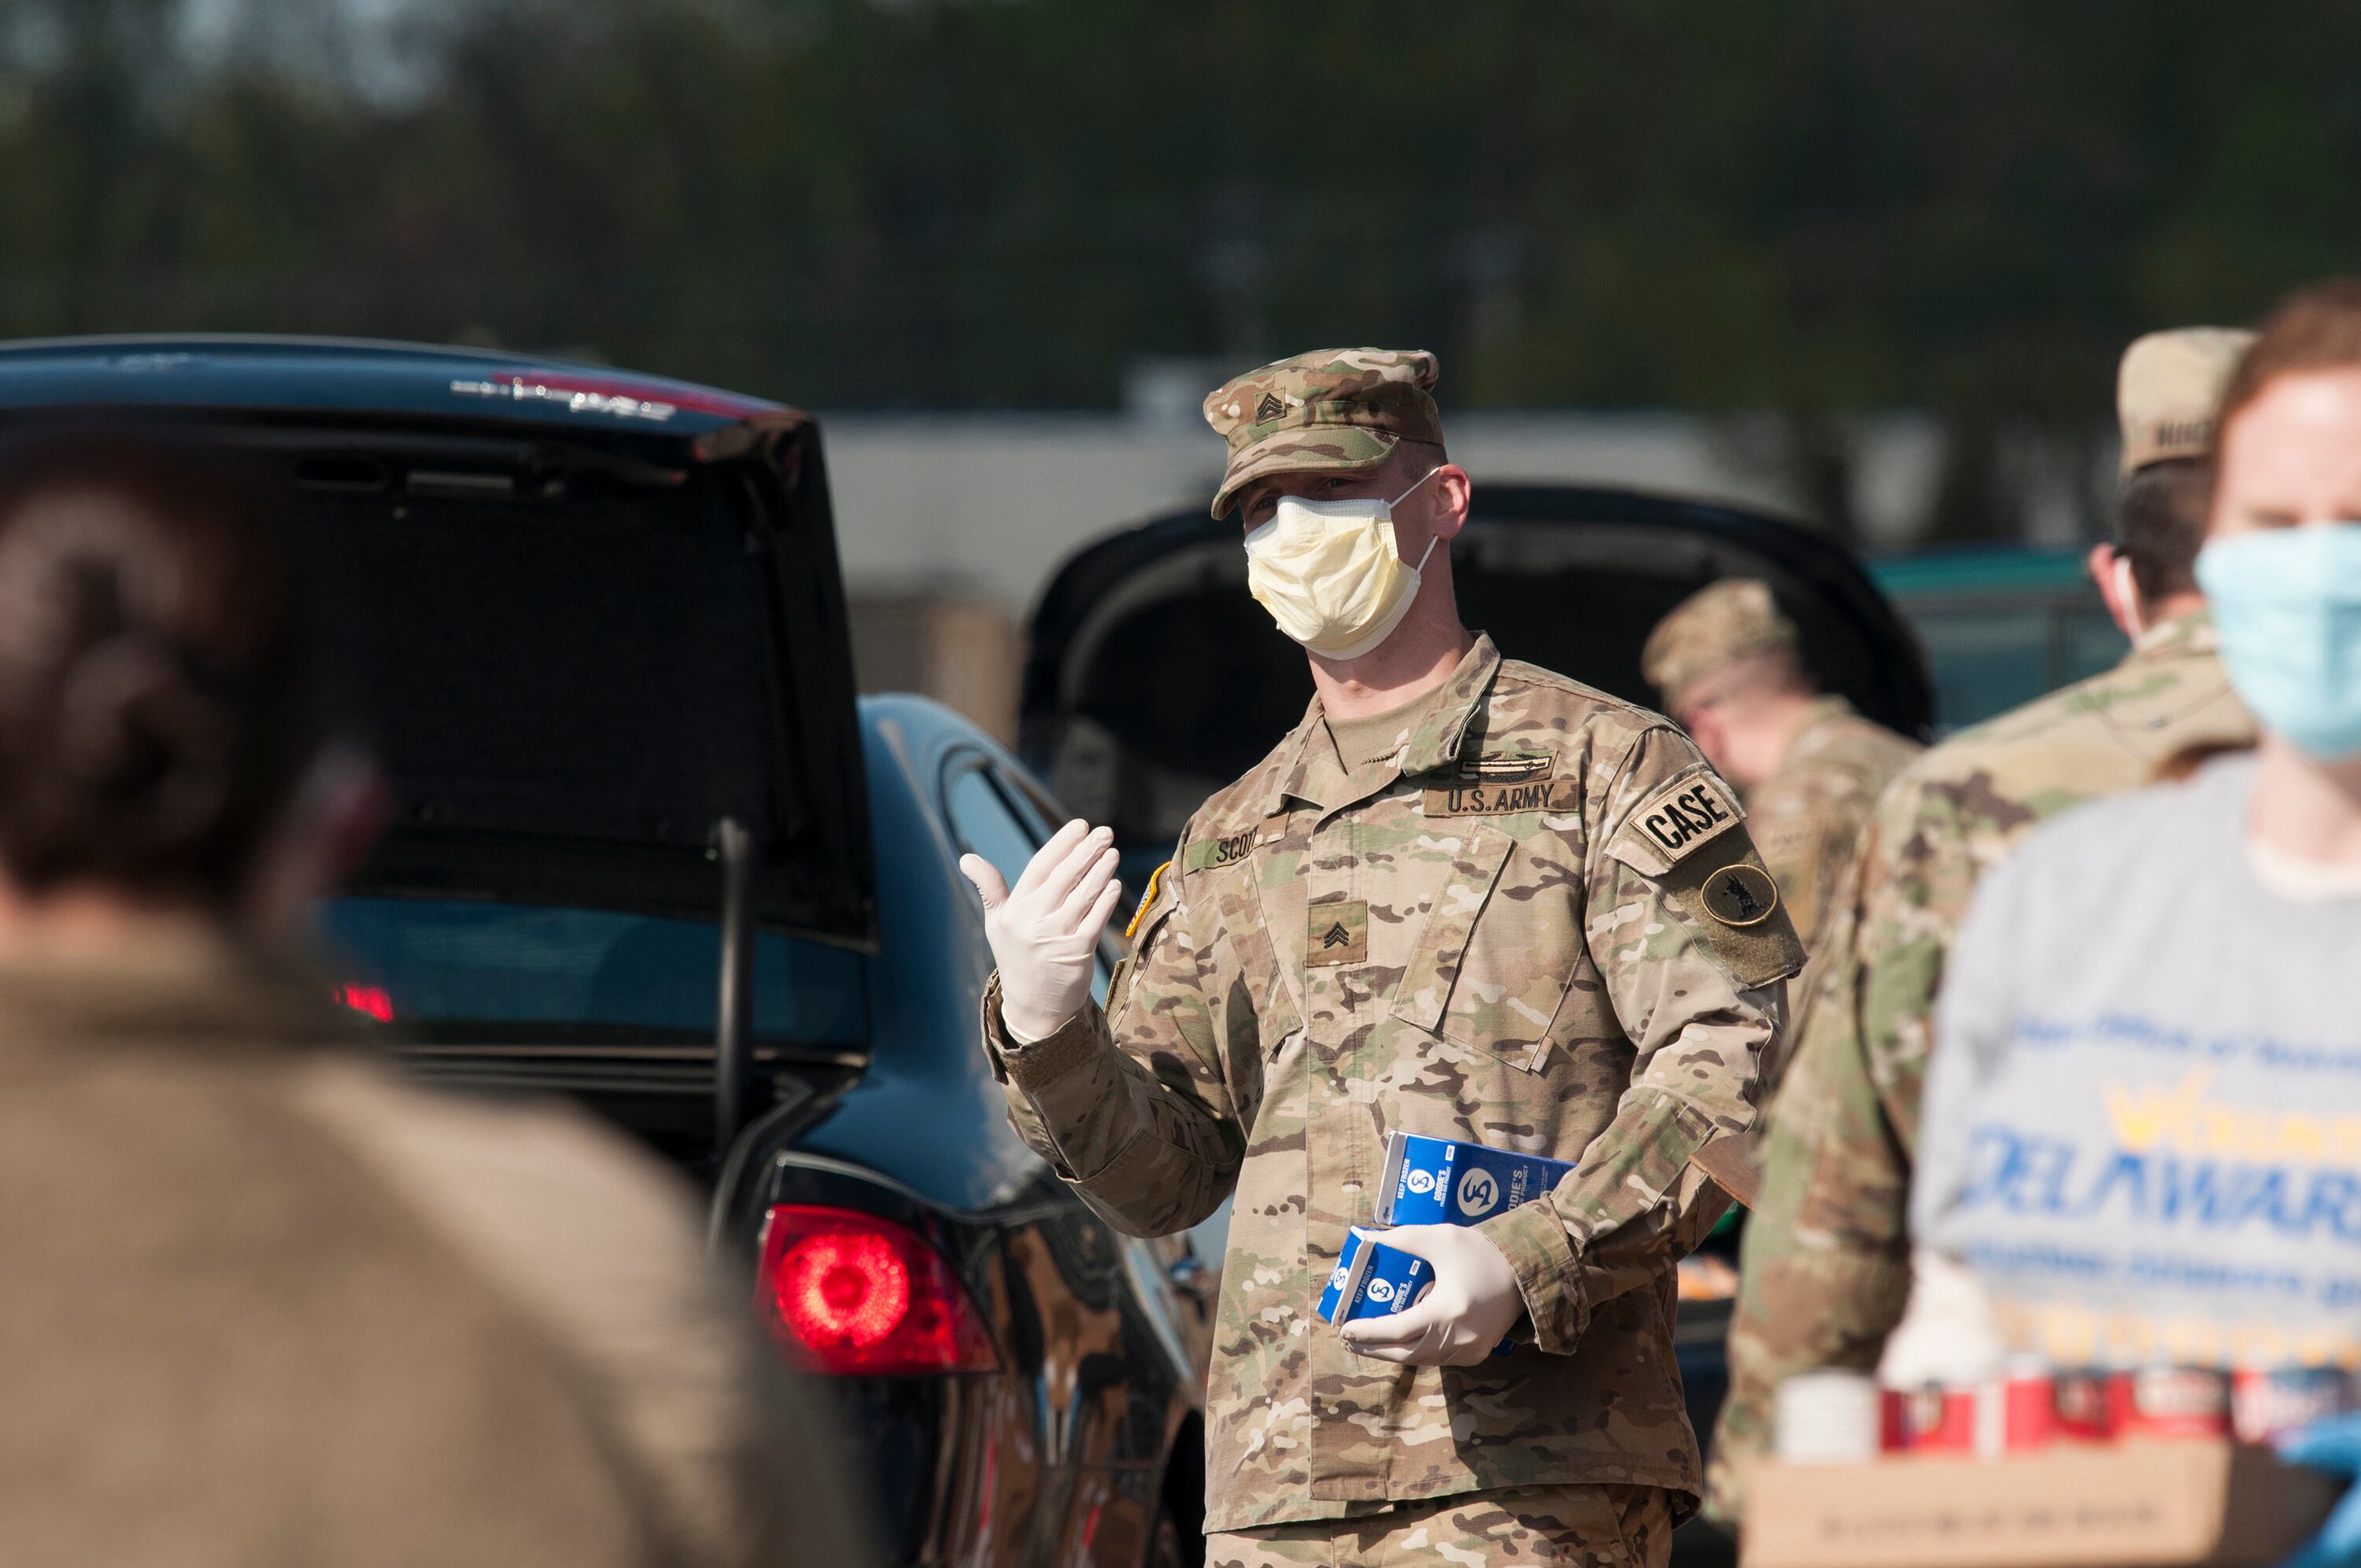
1363, 742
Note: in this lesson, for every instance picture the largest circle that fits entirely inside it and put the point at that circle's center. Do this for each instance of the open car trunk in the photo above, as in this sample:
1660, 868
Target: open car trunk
1152, 677
612, 685
608, 675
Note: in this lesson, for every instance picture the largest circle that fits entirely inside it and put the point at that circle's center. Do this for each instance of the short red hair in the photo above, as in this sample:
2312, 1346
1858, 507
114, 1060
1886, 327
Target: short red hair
2315, 328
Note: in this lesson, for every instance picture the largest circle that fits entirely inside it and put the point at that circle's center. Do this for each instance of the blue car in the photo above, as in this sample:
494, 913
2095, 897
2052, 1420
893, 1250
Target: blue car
649, 852
1035, 1396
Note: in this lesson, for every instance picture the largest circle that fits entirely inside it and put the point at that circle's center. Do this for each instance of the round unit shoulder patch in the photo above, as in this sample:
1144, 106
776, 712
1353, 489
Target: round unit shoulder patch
1741, 894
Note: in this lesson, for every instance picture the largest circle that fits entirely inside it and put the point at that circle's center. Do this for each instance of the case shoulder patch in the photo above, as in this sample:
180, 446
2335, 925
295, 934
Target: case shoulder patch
1679, 820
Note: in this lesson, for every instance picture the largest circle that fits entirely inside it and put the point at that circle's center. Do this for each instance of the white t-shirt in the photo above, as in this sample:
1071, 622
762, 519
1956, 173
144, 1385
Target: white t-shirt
2142, 1124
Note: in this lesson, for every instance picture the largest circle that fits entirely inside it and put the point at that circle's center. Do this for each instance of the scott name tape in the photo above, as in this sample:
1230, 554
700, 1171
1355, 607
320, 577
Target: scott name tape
1373, 1281
1445, 1181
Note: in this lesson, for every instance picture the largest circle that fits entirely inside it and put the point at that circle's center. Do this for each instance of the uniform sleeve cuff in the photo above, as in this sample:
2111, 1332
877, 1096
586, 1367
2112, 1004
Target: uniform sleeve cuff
1533, 1239
1035, 1062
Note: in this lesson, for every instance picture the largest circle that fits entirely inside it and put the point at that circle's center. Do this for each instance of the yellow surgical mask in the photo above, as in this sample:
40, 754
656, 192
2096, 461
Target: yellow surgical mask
1329, 574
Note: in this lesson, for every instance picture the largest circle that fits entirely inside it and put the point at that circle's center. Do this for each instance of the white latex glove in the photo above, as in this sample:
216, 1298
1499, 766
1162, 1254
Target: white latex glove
1473, 1303
1045, 932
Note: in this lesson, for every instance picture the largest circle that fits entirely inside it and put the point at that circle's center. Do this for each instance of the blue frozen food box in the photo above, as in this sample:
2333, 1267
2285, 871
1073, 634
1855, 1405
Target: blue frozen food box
1372, 1279
1446, 1181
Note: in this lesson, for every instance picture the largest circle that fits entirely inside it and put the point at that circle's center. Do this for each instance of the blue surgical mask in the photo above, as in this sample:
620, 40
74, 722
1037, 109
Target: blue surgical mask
2287, 605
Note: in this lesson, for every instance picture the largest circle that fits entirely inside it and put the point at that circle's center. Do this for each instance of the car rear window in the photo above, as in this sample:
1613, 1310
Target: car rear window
581, 666
478, 970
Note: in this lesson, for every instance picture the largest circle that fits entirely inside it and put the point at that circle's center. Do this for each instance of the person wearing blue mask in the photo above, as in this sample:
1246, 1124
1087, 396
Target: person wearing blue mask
2142, 1116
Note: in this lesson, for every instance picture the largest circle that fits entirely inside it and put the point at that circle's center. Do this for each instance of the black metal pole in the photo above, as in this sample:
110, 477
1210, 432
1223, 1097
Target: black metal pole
733, 1035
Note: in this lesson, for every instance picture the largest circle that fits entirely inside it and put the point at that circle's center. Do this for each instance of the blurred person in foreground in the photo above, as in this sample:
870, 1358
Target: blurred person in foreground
1824, 1266
265, 1302
1807, 766
1466, 898
2153, 998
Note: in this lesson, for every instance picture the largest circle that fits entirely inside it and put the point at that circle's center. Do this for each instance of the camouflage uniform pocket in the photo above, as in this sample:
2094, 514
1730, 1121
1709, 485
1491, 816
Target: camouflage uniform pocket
1495, 956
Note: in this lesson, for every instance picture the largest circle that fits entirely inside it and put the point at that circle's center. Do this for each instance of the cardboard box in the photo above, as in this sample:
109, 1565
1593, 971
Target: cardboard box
1448, 1181
2192, 1504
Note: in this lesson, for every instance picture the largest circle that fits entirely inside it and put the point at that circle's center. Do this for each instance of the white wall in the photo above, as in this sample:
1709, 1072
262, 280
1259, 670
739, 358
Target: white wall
989, 504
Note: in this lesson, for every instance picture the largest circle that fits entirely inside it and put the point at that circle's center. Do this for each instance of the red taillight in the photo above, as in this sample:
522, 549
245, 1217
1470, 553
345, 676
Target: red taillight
370, 999
854, 1296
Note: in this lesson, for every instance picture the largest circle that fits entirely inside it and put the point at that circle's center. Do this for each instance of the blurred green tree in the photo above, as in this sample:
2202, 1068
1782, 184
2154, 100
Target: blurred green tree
1814, 208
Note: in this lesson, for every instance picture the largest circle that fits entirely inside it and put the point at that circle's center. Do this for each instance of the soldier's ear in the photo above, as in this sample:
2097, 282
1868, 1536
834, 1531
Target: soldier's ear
2110, 570
1705, 728
1454, 492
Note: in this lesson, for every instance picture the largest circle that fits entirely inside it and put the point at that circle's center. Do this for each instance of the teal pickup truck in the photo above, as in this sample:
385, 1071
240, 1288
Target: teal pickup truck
2000, 625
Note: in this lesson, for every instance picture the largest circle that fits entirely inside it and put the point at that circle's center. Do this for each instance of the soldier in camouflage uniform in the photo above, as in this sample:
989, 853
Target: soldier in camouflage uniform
1484, 901
1825, 1263
1807, 765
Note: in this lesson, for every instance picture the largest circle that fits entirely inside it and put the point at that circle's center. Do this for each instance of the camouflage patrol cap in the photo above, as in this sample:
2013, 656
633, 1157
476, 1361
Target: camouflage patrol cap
2169, 390
1719, 623
1334, 410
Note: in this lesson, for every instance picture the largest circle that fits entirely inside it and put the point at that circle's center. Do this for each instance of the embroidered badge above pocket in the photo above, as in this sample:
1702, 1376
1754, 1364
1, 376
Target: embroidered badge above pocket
1507, 767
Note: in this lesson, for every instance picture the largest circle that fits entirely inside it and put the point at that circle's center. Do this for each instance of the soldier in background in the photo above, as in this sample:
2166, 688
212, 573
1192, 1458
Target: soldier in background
1825, 1264
1807, 765
1466, 898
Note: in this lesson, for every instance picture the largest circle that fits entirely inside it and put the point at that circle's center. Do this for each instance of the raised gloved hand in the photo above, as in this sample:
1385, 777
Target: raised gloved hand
1045, 931
2334, 1445
1472, 1303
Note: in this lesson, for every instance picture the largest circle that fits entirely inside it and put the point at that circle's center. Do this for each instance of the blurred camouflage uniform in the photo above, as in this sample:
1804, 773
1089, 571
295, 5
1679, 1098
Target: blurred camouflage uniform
1587, 1525
1807, 814
1537, 923
1825, 1264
